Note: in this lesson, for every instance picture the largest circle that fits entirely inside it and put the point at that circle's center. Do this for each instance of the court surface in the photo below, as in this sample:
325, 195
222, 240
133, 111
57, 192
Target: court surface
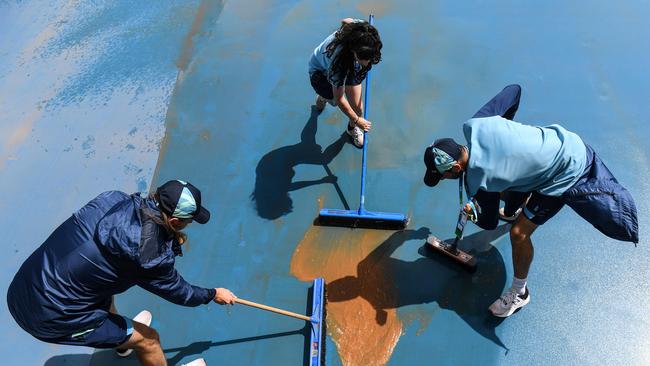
101, 95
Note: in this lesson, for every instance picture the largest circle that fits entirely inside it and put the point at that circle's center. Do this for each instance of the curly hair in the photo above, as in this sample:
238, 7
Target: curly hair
355, 37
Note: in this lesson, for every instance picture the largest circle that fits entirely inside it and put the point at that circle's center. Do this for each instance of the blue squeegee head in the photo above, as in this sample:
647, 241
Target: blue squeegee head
367, 219
317, 334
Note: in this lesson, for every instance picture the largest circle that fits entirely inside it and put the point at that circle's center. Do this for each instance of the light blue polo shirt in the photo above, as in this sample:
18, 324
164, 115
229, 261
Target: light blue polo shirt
507, 155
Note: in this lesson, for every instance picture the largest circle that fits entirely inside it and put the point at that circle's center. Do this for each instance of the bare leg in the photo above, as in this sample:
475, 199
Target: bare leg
522, 246
353, 95
522, 256
145, 341
113, 308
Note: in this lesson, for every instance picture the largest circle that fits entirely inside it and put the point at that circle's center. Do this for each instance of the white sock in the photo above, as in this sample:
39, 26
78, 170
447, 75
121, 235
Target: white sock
519, 285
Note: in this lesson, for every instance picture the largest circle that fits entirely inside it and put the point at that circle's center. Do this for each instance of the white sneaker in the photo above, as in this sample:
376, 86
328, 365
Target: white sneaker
197, 362
143, 317
357, 135
509, 302
503, 217
322, 102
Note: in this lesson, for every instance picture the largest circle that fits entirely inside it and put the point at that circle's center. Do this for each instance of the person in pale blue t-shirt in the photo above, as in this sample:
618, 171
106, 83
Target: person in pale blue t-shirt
338, 66
535, 171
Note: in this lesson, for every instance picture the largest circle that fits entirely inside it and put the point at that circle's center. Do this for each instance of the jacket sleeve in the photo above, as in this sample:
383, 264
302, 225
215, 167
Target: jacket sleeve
488, 218
167, 283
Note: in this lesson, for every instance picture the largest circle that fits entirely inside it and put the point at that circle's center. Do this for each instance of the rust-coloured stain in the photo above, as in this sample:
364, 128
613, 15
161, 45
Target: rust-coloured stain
365, 333
377, 8
366, 284
187, 49
188, 43
334, 118
17, 136
205, 134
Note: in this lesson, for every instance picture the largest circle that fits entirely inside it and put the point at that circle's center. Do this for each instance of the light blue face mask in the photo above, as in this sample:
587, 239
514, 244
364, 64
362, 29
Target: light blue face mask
443, 161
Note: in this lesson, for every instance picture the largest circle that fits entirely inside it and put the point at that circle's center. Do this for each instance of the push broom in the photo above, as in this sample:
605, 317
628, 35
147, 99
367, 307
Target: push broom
361, 217
316, 320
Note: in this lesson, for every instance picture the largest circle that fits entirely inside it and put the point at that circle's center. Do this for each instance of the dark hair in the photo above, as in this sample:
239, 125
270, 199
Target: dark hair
356, 37
163, 221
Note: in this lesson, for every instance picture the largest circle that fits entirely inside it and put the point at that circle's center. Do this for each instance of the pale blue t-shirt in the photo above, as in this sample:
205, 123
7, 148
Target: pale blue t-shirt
319, 60
509, 156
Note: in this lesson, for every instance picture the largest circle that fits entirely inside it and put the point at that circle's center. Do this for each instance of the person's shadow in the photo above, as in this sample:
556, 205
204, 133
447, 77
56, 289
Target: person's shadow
389, 283
196, 349
274, 172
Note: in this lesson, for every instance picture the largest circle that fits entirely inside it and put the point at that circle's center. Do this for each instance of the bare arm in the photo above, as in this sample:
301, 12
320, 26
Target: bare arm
345, 107
342, 102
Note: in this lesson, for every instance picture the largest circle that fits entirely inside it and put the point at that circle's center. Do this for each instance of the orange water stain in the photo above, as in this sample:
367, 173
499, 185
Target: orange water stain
188, 43
422, 317
18, 135
334, 118
364, 332
377, 8
205, 134
171, 118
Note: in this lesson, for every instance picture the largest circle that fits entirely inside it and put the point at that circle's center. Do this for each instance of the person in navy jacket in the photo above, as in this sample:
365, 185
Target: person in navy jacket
63, 293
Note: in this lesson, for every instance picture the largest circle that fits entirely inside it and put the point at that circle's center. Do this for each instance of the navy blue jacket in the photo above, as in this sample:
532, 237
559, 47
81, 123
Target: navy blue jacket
601, 200
108, 246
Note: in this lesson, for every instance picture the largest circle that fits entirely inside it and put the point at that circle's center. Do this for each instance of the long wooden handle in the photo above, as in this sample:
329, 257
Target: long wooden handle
272, 309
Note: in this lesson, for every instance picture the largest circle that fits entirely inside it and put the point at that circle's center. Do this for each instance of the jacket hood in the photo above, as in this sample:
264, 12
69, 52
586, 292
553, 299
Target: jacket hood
131, 230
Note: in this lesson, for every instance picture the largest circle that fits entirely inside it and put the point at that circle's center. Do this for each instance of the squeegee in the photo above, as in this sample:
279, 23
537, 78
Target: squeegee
450, 250
316, 320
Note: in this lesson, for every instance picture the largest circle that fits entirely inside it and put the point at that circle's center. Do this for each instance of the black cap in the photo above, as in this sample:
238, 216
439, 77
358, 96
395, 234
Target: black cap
182, 200
432, 176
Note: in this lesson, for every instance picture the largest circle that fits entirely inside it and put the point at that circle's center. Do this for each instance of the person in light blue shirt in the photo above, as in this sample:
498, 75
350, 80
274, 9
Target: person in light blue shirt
535, 171
337, 67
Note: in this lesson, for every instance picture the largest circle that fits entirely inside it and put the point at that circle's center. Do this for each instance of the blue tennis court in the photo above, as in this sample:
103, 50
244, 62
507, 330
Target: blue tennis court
101, 95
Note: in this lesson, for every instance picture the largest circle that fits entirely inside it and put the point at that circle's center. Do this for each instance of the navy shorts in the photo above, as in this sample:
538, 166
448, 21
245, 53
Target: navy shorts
114, 331
323, 87
540, 208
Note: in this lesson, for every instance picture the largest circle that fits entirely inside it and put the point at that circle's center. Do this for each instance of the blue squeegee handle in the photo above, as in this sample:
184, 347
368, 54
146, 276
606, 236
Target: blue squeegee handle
362, 200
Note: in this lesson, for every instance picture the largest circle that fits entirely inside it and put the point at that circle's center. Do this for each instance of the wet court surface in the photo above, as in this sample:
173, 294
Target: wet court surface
104, 95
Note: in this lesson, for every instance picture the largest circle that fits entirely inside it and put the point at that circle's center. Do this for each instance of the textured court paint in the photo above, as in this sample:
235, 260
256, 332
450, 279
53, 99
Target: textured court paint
17, 136
214, 7
84, 89
188, 44
104, 74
